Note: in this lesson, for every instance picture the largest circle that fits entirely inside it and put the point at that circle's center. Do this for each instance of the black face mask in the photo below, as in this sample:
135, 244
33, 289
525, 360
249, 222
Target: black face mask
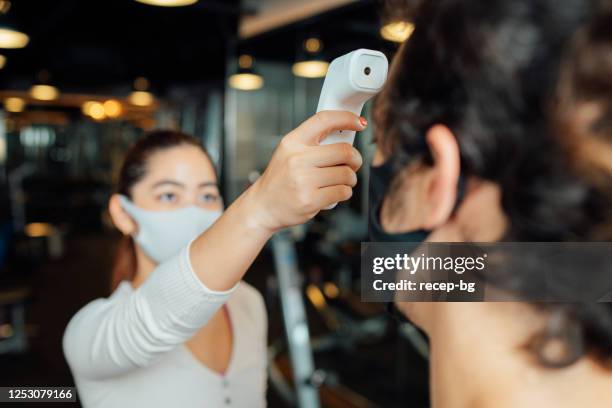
380, 179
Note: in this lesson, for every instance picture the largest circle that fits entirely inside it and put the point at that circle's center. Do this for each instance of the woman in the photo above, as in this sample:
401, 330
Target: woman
471, 101
181, 329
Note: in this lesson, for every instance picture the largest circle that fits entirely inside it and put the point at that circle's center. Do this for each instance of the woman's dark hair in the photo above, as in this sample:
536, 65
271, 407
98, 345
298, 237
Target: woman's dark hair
133, 169
490, 71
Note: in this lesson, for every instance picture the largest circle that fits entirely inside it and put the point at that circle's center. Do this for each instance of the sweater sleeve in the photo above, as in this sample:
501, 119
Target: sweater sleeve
111, 336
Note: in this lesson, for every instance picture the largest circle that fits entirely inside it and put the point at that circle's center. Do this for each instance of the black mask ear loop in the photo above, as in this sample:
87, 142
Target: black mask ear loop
460, 191
381, 178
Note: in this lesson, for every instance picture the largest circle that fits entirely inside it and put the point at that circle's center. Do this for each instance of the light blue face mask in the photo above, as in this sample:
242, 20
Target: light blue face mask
162, 234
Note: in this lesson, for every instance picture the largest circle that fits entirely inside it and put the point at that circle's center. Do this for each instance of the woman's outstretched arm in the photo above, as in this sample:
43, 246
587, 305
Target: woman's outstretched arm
133, 327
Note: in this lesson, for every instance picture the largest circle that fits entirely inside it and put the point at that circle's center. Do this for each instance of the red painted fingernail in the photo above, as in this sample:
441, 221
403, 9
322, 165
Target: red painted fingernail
363, 121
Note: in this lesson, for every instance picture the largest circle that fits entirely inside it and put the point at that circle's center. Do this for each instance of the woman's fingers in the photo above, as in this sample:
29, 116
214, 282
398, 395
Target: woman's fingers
334, 155
326, 196
334, 176
315, 128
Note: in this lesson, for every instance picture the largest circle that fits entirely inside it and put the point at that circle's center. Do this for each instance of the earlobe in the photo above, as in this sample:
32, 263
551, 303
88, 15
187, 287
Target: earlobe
120, 218
441, 191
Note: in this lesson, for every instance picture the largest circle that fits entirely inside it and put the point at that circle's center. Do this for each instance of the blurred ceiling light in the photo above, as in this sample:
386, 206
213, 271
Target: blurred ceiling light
94, 109
316, 296
397, 31
14, 104
39, 229
86, 107
112, 108
312, 66
6, 331
310, 69
141, 98
245, 61
331, 290
44, 92
313, 45
245, 79
5, 6
10, 38
141, 84
168, 3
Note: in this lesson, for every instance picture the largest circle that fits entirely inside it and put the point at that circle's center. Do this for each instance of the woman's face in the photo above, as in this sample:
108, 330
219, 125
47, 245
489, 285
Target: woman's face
178, 177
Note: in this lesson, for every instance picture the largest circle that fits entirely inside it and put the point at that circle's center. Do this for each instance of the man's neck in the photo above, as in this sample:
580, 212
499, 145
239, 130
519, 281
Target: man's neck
478, 359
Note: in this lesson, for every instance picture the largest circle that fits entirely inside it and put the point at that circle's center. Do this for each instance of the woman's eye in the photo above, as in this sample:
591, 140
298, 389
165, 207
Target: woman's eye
167, 197
209, 198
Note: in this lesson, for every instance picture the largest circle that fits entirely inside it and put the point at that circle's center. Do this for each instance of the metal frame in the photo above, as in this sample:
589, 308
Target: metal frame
294, 316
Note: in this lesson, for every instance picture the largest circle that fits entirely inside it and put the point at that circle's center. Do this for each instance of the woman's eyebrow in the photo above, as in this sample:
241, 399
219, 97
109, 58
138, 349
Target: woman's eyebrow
207, 184
171, 182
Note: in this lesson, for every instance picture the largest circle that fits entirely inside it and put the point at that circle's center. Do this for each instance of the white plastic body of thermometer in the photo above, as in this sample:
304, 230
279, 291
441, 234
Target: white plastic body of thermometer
351, 81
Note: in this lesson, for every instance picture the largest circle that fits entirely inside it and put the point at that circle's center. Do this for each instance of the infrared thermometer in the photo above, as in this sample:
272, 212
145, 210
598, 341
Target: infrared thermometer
351, 81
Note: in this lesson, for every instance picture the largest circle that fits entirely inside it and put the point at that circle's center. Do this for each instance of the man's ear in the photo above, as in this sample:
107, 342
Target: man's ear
441, 185
121, 219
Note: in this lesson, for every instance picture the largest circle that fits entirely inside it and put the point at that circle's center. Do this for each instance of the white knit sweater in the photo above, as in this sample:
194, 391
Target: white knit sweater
129, 350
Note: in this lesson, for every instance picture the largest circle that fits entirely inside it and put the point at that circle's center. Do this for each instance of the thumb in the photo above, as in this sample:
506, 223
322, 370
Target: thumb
315, 128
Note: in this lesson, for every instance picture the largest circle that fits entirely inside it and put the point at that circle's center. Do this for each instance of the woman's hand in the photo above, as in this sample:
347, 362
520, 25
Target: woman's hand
301, 179
304, 177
